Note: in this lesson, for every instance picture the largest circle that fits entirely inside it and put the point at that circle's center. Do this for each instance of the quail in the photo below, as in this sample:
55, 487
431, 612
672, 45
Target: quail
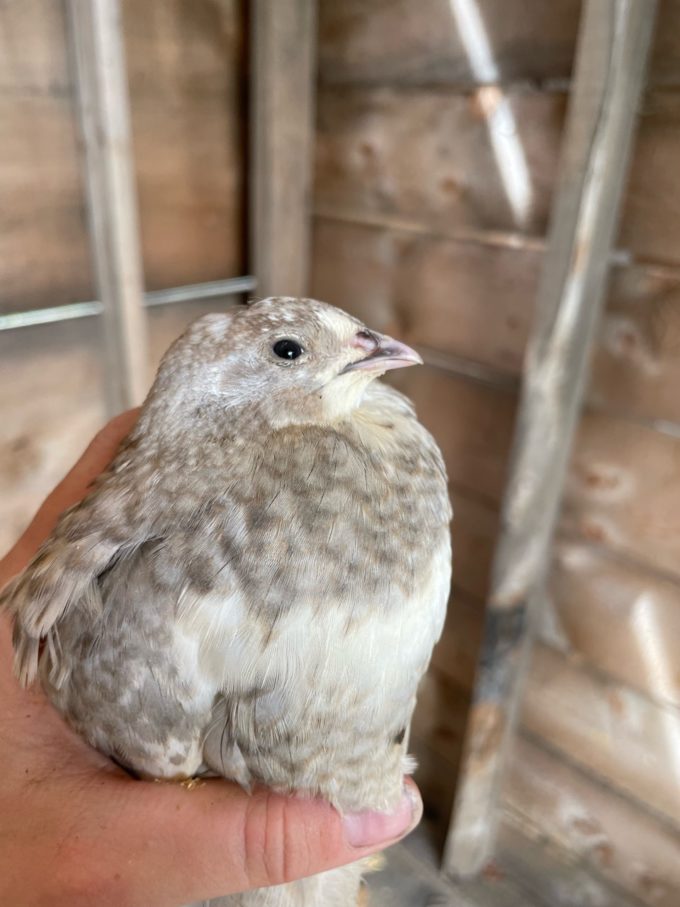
254, 586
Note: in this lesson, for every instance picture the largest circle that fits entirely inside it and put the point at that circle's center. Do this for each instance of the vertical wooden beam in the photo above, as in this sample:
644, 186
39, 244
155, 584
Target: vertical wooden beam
613, 46
283, 55
97, 40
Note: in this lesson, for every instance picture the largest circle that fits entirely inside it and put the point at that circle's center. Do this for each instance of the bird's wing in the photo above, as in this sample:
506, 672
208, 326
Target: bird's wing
88, 539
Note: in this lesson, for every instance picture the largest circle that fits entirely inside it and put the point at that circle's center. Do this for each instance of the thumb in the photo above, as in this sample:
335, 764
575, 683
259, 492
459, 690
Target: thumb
178, 845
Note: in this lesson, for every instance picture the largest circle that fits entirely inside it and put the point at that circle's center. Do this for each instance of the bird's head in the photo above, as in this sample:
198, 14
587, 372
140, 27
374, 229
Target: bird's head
291, 360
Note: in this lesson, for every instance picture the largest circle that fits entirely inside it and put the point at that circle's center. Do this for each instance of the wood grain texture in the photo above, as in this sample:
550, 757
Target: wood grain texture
549, 798
594, 837
622, 490
98, 47
474, 301
617, 736
34, 58
476, 442
611, 498
621, 737
553, 876
464, 299
44, 252
425, 156
610, 66
636, 369
186, 73
46, 427
283, 77
374, 42
616, 615
621, 618
428, 156
379, 41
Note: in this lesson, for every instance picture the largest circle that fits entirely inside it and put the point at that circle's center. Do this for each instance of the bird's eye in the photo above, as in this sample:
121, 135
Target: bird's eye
287, 349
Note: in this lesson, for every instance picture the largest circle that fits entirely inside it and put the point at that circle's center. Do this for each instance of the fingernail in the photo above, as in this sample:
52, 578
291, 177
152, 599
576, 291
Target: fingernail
372, 828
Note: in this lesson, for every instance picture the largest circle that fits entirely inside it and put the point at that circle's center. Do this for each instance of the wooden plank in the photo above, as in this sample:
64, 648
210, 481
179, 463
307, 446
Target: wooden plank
618, 735
624, 745
550, 800
441, 714
191, 195
103, 102
650, 225
44, 253
616, 615
459, 298
50, 412
353, 267
430, 157
474, 532
374, 42
620, 616
553, 875
182, 51
283, 39
475, 301
426, 157
476, 443
34, 58
623, 619
622, 490
457, 652
188, 121
186, 72
613, 44
407, 875
393, 42
636, 369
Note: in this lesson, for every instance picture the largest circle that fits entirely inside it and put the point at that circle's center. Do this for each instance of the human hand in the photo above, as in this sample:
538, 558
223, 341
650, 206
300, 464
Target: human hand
76, 831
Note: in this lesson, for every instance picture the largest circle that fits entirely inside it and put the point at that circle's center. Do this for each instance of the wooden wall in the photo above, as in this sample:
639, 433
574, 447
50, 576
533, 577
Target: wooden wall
186, 71
414, 232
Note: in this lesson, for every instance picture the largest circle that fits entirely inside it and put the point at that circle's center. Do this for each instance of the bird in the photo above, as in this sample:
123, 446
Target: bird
254, 586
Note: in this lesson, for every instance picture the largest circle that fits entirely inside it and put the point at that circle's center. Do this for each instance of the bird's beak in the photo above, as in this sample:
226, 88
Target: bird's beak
383, 353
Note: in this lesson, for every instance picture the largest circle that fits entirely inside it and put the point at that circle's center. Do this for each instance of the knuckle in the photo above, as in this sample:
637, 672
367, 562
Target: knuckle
276, 847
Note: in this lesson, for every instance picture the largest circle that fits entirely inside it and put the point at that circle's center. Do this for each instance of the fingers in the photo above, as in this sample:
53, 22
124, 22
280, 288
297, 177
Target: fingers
70, 490
189, 845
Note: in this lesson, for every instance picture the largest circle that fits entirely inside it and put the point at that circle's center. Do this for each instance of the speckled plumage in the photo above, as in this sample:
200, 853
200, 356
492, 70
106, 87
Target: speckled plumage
254, 586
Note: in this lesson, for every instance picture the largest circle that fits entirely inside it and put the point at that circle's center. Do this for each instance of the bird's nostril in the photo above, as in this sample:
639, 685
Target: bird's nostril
365, 340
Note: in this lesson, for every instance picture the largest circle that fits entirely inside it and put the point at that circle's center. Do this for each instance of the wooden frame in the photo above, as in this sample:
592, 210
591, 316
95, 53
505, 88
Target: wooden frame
283, 52
96, 33
614, 41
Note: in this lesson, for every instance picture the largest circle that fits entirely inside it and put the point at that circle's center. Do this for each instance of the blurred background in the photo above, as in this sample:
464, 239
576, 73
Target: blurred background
433, 159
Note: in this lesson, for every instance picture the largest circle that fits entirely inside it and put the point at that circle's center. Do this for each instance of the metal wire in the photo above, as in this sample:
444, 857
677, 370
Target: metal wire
190, 293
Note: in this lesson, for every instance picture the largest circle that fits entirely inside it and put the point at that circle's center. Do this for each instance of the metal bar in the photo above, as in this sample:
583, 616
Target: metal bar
189, 293
97, 37
193, 292
614, 40
283, 50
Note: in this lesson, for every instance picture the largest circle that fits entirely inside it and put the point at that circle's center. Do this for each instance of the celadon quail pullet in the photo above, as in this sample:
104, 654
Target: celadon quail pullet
254, 586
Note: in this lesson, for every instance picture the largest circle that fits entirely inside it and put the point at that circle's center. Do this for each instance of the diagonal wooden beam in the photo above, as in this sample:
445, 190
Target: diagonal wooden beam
614, 40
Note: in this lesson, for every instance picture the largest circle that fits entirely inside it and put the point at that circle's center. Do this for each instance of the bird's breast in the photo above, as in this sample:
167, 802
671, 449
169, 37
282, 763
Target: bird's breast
322, 517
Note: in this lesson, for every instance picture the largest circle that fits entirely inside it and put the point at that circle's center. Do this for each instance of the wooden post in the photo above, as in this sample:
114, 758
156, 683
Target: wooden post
613, 46
97, 39
283, 52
